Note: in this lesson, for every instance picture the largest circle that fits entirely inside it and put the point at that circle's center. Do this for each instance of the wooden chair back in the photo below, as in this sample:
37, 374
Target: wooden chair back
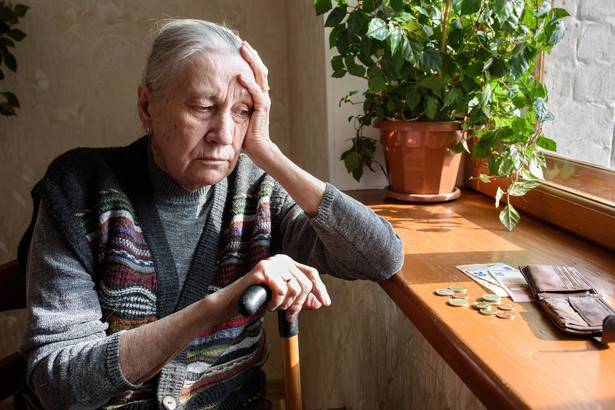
12, 296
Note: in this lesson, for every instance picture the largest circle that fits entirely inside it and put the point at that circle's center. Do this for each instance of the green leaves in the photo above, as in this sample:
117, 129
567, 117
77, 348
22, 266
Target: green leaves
509, 217
354, 68
411, 50
433, 82
395, 39
9, 59
522, 188
357, 23
359, 155
554, 29
542, 113
546, 143
336, 16
396, 4
378, 29
503, 9
9, 16
469, 7
8, 103
453, 97
322, 6
477, 67
376, 80
519, 64
432, 58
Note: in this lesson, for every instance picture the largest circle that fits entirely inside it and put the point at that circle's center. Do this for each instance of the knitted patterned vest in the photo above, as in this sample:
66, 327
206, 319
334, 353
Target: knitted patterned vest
113, 210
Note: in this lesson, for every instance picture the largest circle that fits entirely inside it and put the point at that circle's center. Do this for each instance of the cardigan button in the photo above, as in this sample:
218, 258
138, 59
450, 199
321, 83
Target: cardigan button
169, 403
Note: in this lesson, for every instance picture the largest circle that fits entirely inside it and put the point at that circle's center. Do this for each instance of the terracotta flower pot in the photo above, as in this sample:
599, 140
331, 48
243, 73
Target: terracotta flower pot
419, 161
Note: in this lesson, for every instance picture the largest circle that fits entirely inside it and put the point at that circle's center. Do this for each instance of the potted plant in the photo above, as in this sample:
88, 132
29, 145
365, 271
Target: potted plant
9, 17
464, 61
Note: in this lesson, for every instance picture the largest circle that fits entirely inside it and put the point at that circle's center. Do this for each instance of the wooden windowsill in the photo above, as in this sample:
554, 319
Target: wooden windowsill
584, 215
521, 363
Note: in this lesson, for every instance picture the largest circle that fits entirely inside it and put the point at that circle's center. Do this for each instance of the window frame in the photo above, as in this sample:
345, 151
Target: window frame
583, 215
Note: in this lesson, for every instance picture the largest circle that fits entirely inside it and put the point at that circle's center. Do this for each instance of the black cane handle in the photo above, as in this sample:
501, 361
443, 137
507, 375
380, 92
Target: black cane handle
254, 297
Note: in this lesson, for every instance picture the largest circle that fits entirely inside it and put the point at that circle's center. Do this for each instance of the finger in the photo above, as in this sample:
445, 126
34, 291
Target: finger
281, 273
293, 285
293, 295
275, 273
300, 291
279, 292
312, 303
292, 277
318, 289
259, 119
261, 98
257, 65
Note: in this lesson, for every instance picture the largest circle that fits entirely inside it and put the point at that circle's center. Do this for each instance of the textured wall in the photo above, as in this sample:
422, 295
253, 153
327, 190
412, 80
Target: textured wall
77, 80
306, 88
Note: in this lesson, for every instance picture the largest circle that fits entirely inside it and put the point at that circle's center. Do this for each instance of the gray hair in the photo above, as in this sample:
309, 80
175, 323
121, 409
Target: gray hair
176, 40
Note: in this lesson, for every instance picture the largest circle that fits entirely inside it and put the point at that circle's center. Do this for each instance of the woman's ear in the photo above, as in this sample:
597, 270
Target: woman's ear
143, 106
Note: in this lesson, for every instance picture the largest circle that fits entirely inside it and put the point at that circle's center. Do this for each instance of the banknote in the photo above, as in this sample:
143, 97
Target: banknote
480, 274
514, 284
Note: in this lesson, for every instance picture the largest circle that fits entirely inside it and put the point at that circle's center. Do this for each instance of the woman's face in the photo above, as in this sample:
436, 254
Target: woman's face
199, 123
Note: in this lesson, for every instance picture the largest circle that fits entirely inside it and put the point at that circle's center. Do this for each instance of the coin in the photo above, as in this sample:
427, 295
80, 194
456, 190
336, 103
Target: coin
481, 305
490, 297
459, 295
444, 292
505, 315
488, 311
458, 288
457, 302
506, 306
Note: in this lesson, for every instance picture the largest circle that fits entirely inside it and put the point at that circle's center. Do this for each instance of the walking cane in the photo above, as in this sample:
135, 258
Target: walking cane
248, 304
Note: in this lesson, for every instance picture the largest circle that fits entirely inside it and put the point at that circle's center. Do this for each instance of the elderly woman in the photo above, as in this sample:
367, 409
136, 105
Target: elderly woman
136, 256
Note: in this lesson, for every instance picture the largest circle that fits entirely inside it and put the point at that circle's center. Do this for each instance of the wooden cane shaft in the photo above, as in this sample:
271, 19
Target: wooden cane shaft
292, 374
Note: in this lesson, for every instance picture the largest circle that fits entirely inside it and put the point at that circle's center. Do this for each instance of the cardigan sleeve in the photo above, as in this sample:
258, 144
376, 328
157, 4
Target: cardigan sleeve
346, 239
72, 363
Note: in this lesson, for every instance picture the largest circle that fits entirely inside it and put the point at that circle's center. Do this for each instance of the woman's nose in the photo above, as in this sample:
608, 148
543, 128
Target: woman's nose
222, 128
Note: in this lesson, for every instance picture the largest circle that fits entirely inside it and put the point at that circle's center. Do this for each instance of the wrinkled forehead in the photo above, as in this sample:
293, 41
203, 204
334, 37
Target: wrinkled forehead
213, 72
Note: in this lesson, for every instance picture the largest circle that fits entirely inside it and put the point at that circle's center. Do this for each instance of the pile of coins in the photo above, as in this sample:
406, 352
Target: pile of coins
490, 304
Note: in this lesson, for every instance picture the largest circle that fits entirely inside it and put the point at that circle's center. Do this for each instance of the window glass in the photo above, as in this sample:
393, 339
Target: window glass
580, 78
592, 181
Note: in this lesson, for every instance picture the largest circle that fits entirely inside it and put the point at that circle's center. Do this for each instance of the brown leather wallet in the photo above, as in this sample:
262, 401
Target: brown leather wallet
571, 303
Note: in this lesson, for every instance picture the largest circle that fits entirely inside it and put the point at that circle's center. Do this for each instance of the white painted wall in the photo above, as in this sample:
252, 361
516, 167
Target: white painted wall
340, 130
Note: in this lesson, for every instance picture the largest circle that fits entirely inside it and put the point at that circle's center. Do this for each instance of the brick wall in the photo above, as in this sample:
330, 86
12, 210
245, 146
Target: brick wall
580, 76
